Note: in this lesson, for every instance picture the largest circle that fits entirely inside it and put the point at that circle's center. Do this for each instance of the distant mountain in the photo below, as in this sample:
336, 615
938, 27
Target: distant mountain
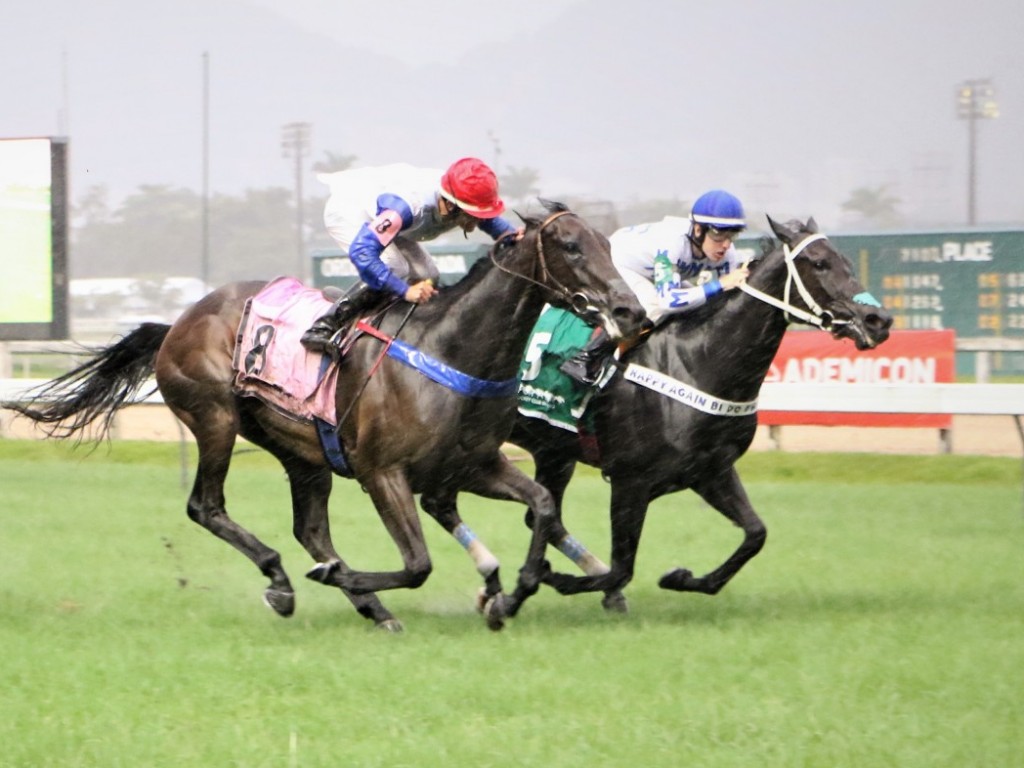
793, 104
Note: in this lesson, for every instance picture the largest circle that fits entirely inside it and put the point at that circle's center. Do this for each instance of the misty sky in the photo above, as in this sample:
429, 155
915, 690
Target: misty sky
792, 104
456, 26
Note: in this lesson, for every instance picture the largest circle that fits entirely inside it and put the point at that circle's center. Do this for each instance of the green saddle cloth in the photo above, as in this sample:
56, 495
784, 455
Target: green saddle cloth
544, 391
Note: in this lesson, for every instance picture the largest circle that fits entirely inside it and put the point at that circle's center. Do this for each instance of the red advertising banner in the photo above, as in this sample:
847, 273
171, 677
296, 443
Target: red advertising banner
908, 357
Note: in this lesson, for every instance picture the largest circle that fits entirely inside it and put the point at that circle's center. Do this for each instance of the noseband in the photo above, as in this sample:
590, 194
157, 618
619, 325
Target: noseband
578, 301
822, 318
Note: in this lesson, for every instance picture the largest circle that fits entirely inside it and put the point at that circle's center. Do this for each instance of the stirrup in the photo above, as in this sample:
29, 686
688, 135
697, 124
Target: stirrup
320, 338
315, 339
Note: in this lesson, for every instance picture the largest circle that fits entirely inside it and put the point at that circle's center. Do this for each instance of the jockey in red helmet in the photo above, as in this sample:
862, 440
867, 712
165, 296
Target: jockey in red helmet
379, 216
472, 187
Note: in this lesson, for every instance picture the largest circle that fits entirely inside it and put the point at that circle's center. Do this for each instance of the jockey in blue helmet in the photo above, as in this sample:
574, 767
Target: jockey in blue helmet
673, 265
719, 213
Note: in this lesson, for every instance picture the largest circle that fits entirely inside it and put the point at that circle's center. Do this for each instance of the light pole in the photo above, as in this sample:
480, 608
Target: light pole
204, 257
975, 100
295, 144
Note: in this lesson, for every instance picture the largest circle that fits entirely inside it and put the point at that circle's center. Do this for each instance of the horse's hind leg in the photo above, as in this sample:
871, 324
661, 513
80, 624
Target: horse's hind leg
726, 494
311, 489
215, 437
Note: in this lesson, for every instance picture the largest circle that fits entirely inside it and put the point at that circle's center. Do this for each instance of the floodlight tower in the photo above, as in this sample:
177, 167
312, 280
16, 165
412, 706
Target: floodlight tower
975, 101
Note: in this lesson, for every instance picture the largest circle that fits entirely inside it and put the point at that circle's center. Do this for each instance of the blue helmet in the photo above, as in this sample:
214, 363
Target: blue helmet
719, 210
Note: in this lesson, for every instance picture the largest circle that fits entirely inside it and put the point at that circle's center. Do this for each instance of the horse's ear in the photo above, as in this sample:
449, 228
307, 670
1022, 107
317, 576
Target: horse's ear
812, 226
780, 230
553, 206
527, 219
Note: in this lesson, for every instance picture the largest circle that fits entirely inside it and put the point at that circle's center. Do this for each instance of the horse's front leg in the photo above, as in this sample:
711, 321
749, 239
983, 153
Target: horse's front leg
726, 494
442, 507
629, 503
555, 469
501, 480
311, 489
389, 489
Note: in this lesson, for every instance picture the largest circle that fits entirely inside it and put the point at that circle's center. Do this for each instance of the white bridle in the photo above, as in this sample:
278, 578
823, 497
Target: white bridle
817, 316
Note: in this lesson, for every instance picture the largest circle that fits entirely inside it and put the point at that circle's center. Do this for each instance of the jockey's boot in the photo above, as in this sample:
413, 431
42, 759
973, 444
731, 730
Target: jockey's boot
587, 365
318, 338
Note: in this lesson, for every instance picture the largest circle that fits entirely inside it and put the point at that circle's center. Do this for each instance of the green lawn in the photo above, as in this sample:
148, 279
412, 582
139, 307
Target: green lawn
881, 626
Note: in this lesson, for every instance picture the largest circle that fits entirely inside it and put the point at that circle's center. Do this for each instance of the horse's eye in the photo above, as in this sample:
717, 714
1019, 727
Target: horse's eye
572, 250
820, 265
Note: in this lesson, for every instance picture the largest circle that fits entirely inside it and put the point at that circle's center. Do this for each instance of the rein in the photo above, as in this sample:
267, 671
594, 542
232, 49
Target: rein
817, 316
577, 300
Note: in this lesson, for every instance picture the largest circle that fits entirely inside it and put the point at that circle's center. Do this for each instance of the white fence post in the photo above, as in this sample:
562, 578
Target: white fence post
6, 368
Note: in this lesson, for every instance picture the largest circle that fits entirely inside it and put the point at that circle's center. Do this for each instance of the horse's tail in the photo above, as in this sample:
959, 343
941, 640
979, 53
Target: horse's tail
96, 389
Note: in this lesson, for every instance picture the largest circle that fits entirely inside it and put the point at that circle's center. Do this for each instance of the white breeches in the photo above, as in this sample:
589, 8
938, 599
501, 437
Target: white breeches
402, 255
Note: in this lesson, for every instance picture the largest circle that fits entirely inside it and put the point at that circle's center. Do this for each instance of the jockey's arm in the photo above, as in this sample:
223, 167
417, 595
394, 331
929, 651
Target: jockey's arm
497, 227
688, 297
685, 299
365, 253
393, 214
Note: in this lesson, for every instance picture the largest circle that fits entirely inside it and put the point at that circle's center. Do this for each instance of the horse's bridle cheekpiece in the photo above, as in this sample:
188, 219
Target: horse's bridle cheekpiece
578, 301
822, 318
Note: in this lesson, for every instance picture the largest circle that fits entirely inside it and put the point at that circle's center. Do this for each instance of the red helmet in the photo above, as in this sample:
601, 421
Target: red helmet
471, 185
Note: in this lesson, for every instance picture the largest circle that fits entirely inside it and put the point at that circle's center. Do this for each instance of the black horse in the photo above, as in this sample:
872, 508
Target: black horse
403, 433
651, 444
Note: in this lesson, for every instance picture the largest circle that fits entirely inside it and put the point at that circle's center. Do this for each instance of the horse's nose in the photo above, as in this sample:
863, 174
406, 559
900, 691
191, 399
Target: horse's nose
878, 323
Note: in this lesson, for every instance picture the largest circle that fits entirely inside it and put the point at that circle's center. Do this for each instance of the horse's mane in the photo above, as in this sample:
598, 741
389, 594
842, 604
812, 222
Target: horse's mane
450, 294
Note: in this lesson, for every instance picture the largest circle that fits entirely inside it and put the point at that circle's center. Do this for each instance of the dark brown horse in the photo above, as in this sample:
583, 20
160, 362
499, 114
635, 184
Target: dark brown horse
404, 434
652, 444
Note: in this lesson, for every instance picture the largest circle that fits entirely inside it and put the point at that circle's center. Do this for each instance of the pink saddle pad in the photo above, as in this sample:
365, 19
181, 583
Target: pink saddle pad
269, 361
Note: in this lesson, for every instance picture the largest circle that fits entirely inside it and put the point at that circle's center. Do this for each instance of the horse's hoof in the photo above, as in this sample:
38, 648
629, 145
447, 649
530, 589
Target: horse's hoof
495, 611
680, 580
615, 602
391, 626
322, 572
481, 600
282, 602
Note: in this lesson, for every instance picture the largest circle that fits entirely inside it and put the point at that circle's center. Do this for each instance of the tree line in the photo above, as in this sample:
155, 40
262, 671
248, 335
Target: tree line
160, 231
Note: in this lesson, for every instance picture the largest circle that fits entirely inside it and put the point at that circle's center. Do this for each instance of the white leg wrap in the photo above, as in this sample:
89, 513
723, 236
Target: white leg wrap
579, 554
486, 563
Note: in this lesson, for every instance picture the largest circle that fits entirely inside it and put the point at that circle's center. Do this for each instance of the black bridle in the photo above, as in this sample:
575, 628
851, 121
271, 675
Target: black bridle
577, 300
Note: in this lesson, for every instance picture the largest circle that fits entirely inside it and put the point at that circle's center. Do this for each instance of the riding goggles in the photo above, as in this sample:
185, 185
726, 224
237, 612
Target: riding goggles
723, 235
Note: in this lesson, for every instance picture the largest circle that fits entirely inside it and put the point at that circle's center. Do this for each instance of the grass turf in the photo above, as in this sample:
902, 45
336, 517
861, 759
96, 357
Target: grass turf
880, 626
